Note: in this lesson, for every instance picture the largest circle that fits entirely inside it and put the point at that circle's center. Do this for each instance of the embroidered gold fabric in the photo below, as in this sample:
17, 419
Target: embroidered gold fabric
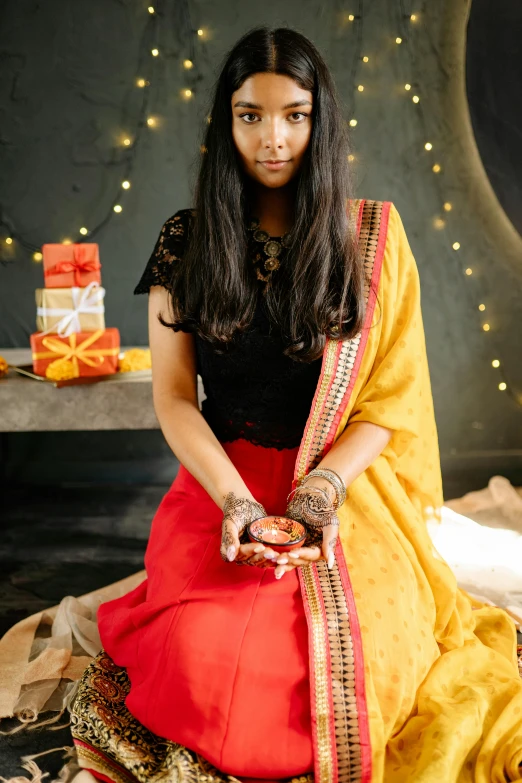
322, 588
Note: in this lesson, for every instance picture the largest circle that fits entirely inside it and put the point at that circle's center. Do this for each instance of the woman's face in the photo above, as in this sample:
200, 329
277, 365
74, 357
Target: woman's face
271, 120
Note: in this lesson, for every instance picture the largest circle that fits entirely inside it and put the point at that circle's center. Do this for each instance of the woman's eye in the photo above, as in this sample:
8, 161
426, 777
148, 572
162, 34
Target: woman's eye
294, 114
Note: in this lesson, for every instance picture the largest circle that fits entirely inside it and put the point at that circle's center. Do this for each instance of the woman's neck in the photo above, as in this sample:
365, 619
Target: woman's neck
275, 208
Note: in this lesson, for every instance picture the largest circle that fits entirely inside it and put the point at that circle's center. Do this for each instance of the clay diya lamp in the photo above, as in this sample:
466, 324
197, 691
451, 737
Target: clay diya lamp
279, 533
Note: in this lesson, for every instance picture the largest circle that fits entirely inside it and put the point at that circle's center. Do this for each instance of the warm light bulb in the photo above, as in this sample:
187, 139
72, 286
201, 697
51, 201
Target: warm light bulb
351, 18
415, 99
188, 63
117, 208
127, 142
37, 256
360, 88
151, 122
447, 206
155, 52
502, 386
8, 241
407, 86
495, 363
485, 327
141, 82
436, 168
84, 231
351, 157
469, 271
428, 145
456, 245
150, 9
482, 307
365, 59
187, 93
126, 184
413, 18
398, 40
200, 31
439, 223
353, 123
66, 242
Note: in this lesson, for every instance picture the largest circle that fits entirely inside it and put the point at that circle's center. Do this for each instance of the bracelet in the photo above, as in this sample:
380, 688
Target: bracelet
335, 480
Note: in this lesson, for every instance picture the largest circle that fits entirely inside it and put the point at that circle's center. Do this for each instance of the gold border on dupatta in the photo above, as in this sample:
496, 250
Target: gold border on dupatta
334, 689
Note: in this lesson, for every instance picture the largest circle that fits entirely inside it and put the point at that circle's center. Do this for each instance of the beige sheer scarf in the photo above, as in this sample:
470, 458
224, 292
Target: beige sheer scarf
43, 656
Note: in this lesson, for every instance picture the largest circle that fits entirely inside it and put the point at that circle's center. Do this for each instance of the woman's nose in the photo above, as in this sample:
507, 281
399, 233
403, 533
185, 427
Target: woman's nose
273, 133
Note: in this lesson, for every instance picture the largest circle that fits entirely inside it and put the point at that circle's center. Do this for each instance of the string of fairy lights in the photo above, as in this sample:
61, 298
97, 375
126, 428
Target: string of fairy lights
129, 142
406, 23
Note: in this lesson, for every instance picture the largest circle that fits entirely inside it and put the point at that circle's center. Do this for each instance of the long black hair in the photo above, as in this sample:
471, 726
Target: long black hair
318, 290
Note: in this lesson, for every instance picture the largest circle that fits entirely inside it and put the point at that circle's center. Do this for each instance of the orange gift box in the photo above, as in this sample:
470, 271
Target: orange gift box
90, 353
66, 266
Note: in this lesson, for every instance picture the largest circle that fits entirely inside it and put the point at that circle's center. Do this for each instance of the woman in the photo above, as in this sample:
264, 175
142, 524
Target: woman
354, 658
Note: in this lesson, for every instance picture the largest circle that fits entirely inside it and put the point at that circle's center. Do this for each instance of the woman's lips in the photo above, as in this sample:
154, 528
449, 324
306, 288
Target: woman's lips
274, 166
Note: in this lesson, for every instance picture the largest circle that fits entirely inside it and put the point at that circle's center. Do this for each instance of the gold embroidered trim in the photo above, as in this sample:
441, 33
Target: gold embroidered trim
342, 658
322, 707
312, 425
328, 591
88, 759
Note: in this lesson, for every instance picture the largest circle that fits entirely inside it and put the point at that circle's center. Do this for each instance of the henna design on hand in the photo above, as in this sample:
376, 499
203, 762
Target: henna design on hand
312, 506
239, 512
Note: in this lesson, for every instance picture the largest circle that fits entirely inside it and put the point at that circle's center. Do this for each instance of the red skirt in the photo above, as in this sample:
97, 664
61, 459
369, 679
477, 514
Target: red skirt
217, 654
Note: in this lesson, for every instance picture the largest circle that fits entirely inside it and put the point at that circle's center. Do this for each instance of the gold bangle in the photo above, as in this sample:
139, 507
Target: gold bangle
335, 480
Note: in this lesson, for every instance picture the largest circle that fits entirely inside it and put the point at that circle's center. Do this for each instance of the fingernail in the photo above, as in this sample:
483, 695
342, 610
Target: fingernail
294, 554
259, 548
279, 575
231, 552
283, 560
331, 560
270, 555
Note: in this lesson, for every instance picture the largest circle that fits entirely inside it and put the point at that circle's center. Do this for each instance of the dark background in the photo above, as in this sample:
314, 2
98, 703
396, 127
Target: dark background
494, 79
77, 506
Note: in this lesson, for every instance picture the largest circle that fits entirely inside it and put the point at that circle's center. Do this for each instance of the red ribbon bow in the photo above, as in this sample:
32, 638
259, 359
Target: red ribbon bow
78, 265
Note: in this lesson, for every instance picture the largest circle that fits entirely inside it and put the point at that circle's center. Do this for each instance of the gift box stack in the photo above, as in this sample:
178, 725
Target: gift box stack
72, 340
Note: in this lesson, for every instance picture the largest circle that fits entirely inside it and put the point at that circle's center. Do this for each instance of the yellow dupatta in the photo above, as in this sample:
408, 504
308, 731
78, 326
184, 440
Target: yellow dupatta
408, 682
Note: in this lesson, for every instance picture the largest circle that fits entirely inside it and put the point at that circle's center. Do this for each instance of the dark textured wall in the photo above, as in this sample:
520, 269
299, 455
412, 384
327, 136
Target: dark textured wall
68, 97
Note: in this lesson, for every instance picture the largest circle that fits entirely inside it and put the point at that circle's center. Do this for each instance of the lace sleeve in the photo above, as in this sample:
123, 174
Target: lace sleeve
168, 249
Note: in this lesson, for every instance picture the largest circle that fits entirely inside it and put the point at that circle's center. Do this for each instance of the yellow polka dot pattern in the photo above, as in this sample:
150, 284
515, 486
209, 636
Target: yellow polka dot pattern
443, 691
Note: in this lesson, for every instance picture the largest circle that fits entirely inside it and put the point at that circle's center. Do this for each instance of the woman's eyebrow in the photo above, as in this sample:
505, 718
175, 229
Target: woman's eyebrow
247, 105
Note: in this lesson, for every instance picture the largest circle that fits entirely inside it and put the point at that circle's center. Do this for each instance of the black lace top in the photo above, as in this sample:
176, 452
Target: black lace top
253, 391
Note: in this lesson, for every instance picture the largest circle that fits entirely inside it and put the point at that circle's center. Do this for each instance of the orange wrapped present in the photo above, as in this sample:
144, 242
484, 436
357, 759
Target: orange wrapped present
79, 354
66, 266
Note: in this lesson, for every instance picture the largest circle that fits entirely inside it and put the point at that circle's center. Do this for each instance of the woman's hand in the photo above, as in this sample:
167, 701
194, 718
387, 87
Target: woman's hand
255, 554
308, 508
238, 512
287, 561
